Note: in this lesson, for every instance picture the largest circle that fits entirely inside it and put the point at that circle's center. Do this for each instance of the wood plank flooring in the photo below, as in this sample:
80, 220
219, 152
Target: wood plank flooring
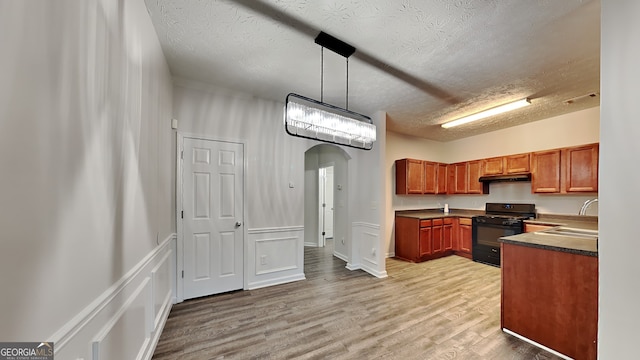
441, 309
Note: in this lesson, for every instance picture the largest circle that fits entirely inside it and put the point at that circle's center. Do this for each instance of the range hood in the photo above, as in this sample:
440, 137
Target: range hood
504, 178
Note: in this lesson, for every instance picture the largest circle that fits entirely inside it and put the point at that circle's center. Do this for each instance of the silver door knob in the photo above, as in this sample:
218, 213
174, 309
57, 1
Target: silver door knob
238, 223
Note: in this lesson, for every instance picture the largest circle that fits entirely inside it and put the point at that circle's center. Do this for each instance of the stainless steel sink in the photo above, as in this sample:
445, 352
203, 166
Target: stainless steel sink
573, 232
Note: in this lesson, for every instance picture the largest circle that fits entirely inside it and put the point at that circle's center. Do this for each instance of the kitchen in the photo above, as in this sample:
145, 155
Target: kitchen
512, 192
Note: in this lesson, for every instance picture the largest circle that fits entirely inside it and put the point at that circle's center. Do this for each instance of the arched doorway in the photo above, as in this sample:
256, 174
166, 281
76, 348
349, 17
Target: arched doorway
316, 158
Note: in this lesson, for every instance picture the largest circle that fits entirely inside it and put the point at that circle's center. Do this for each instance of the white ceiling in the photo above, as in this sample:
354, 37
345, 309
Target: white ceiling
424, 62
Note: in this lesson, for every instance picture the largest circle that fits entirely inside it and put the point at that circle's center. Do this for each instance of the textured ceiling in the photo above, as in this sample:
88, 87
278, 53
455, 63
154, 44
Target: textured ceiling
424, 62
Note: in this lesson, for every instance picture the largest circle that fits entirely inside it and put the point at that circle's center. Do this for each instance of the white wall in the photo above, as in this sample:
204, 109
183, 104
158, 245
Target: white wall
619, 314
581, 127
85, 152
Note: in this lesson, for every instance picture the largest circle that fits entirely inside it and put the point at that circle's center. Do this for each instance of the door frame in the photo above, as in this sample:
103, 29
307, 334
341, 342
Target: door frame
322, 239
180, 136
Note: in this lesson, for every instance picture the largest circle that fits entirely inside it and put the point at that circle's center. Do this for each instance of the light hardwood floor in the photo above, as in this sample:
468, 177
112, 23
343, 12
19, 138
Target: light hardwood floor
441, 309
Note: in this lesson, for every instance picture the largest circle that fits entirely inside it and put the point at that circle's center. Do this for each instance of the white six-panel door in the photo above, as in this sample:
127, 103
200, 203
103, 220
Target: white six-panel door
213, 175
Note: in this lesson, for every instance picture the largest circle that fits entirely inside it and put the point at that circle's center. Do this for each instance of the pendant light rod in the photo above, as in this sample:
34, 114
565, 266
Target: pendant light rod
347, 96
322, 74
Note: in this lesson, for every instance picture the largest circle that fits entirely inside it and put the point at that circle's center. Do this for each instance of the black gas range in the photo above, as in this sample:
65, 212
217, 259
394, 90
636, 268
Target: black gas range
500, 220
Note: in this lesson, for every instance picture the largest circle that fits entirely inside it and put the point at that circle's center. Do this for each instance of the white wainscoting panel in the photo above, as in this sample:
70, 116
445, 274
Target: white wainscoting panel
126, 321
366, 238
275, 256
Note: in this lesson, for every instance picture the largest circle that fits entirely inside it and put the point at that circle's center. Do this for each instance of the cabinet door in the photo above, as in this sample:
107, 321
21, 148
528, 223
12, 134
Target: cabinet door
447, 234
581, 168
451, 179
545, 172
437, 245
460, 178
473, 173
430, 177
409, 177
441, 187
493, 166
425, 241
465, 235
517, 163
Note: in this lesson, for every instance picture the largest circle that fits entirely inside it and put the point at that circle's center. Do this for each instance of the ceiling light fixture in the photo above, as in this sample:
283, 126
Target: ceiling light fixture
317, 120
489, 112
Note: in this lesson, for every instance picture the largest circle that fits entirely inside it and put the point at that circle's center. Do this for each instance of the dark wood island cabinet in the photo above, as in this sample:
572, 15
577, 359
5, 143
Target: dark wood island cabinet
551, 298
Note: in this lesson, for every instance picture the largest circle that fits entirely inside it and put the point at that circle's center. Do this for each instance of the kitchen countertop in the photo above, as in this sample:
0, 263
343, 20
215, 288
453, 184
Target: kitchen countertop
427, 214
564, 243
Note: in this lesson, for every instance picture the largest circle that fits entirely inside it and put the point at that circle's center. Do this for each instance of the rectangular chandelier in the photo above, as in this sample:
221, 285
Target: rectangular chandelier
312, 119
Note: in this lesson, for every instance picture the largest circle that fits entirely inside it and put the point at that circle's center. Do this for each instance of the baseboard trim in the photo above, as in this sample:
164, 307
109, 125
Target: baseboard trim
341, 256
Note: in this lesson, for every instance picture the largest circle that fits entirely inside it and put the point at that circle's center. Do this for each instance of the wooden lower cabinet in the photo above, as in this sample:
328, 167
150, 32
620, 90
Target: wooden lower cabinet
425, 241
551, 297
419, 240
448, 234
464, 238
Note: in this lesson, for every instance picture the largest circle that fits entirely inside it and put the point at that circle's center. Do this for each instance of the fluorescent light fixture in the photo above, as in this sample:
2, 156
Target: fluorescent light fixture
490, 112
311, 119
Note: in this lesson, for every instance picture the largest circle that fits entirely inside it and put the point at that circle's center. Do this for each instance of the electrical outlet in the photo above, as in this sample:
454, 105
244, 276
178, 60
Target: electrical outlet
263, 259
342, 240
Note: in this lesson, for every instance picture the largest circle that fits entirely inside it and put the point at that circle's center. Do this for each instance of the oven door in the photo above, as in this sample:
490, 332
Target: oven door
485, 235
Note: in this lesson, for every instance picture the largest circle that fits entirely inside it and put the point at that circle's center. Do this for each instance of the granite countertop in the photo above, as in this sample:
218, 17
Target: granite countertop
563, 243
427, 214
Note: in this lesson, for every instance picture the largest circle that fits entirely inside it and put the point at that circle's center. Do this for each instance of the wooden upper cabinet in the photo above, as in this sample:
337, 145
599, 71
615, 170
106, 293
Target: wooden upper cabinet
567, 170
442, 179
493, 166
581, 168
520, 163
409, 176
459, 178
512, 164
430, 177
545, 171
474, 171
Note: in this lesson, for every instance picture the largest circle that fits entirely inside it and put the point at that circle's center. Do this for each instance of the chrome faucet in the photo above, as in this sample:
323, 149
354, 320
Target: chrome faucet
586, 205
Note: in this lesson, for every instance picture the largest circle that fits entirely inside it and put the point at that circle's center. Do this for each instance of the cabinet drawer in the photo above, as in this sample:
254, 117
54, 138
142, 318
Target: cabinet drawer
448, 221
425, 223
465, 221
536, 227
437, 222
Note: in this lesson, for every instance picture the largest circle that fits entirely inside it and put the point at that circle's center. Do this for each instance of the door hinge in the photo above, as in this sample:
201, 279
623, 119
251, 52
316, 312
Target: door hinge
323, 233
181, 154
183, 274
182, 214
